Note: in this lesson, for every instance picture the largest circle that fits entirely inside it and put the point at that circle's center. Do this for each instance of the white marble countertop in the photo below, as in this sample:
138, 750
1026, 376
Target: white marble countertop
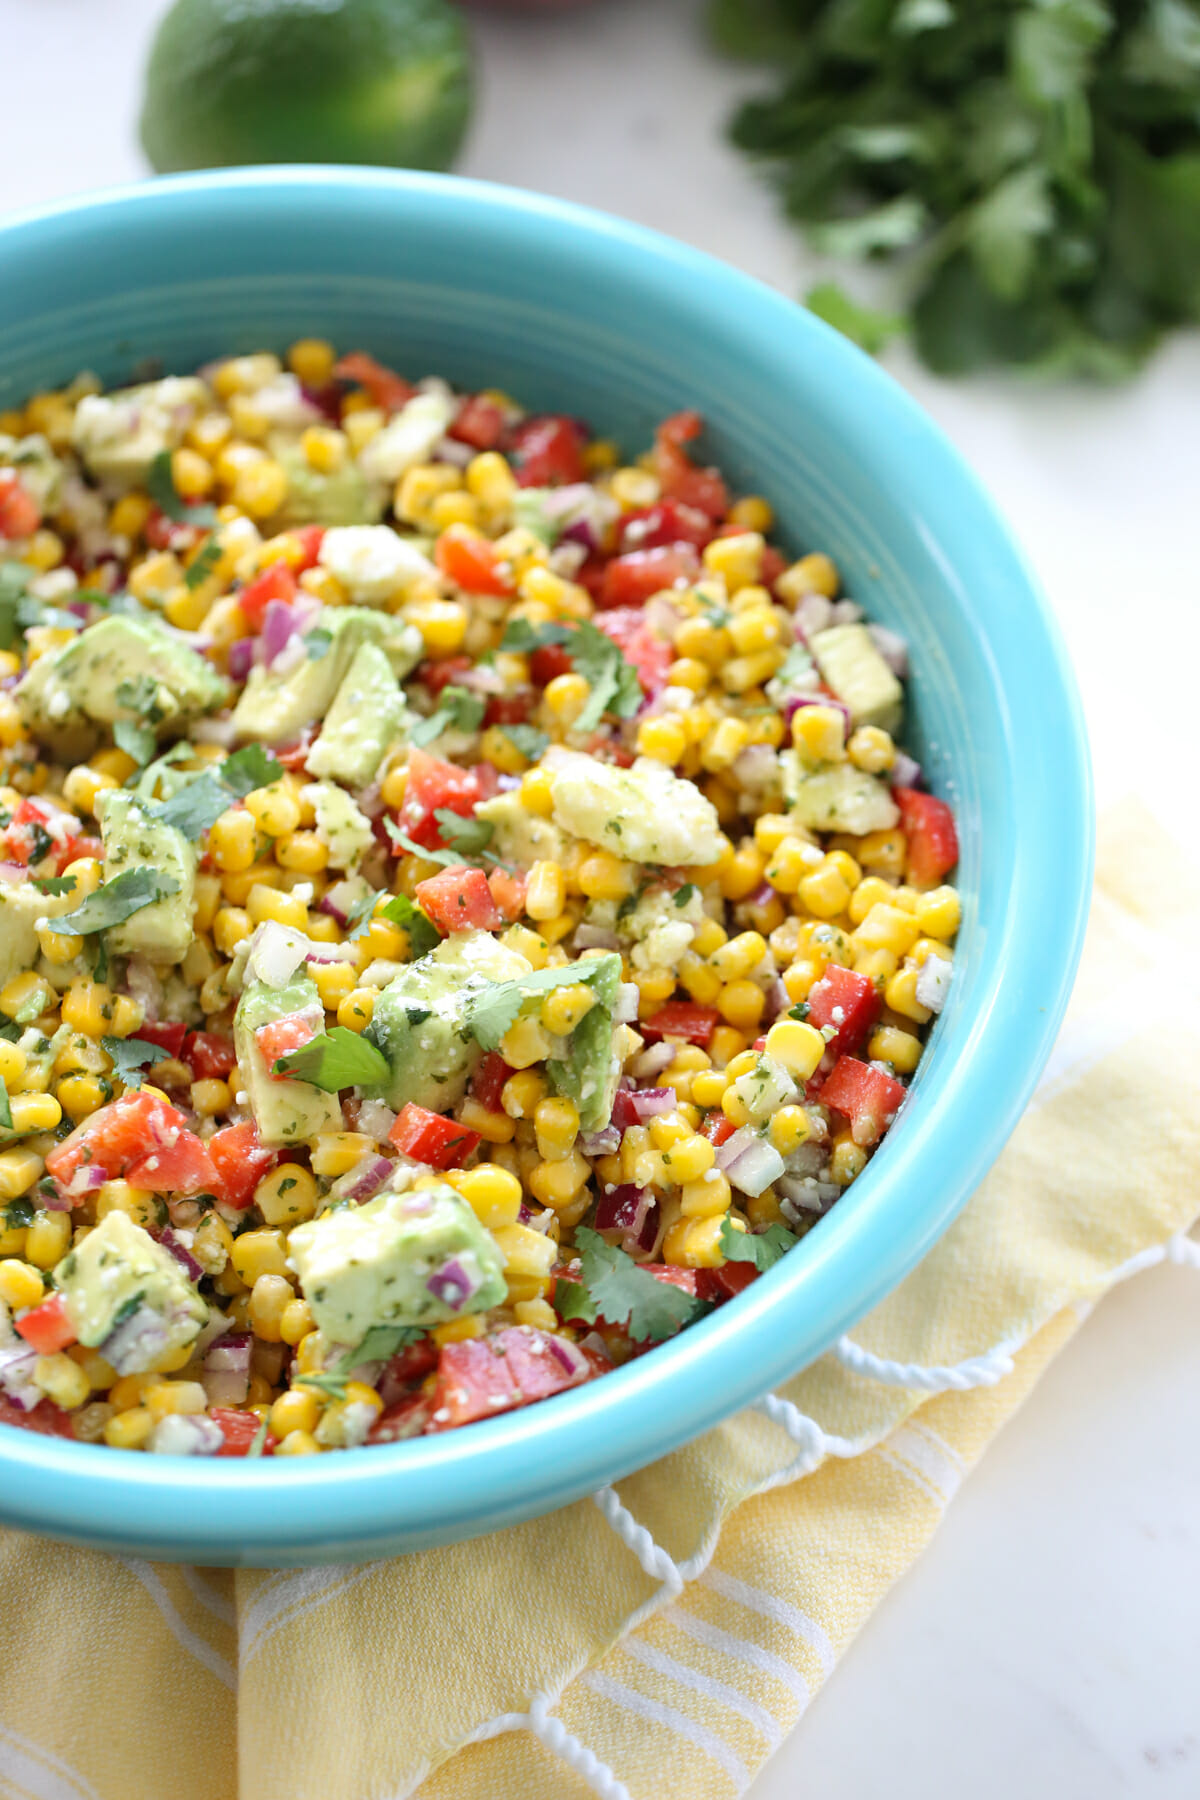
1049, 1642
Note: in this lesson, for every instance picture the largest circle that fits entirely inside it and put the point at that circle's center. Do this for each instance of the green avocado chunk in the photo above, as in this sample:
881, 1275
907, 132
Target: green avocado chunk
341, 497
589, 1072
21, 908
285, 1111
837, 798
115, 1269
416, 1258
120, 668
419, 1018
135, 839
367, 714
850, 662
276, 706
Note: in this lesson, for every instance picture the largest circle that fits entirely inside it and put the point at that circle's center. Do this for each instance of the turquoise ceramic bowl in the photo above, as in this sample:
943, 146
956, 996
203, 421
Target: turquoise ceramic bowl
577, 312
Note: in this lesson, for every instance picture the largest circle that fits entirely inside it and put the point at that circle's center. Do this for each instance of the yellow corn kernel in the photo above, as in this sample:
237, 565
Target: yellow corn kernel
819, 734
537, 796
545, 894
333, 982
757, 628
742, 873
881, 852
847, 1161
129, 1430
297, 1410
161, 1398
739, 955
924, 948
493, 1194
263, 903
311, 360
34, 1112
688, 1160
556, 1182
492, 1127
245, 374
88, 1007
813, 574
130, 514
939, 912
303, 851
155, 575
394, 786
521, 1093
891, 1045
119, 1196
325, 448
709, 1086
296, 1322
738, 559
789, 1128
233, 840
663, 739
528, 943
260, 488
725, 1044
877, 965
526, 1252
687, 672
355, 1011
791, 864
724, 744
871, 749
361, 422
799, 1047
707, 1197
299, 1443
887, 928
871, 891
741, 1003
83, 786
230, 927
12, 727
274, 809
496, 747
752, 512
99, 1374
695, 1243
212, 1243
442, 624
191, 474
564, 1007
699, 980
741, 673
491, 481
603, 876
703, 641
286, 1195
419, 487
12, 1064
258, 1253
269, 1298
117, 763
556, 1122
20, 1285
901, 995
633, 488
336, 1152
566, 696
826, 891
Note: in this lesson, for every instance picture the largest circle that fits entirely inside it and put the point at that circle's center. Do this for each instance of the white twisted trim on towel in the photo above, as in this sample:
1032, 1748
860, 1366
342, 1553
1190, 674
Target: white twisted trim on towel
654, 1560
984, 1370
554, 1735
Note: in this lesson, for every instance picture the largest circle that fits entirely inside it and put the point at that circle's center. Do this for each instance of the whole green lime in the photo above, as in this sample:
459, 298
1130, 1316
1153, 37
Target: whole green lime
347, 81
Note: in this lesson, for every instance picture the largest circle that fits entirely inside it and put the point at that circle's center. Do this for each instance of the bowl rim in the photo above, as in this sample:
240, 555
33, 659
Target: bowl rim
434, 1489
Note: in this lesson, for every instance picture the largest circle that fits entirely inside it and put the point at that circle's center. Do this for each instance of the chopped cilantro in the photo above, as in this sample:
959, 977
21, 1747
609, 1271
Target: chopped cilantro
527, 739
55, 884
624, 1294
684, 894
5, 1109
800, 1011
333, 1060
200, 802
458, 710
466, 837
613, 681
423, 934
18, 1213
160, 485
131, 1057
490, 1012
520, 636
137, 740
203, 563
116, 901
763, 1248
316, 643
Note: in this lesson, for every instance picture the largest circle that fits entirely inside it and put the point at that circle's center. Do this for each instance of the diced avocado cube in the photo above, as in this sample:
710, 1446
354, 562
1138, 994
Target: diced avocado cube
409, 437
520, 836
419, 1017
852, 666
35, 462
118, 1267
367, 714
416, 1258
839, 798
644, 814
120, 668
589, 1073
285, 1111
340, 497
278, 705
134, 839
340, 825
118, 435
21, 907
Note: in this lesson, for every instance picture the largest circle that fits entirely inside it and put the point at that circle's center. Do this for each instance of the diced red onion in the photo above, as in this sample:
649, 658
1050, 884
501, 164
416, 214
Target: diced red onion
226, 1372
802, 1192
277, 628
55, 1197
15, 872
317, 952
778, 999
567, 1354
649, 1103
16, 1374
80, 608
364, 1179
905, 771
763, 895
633, 1211
241, 657
144, 985
338, 899
601, 1143
755, 1166
653, 1060
812, 615
171, 1240
845, 612
595, 937
583, 533
892, 647
452, 1284
481, 679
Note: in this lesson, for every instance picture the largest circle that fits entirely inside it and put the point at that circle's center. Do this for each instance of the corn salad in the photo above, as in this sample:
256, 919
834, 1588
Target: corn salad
464, 910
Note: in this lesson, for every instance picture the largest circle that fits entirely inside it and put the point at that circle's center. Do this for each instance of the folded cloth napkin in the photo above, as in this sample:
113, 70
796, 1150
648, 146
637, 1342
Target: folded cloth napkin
660, 1640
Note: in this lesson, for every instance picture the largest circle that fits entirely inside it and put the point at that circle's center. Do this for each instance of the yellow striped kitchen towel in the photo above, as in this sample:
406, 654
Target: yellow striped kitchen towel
656, 1642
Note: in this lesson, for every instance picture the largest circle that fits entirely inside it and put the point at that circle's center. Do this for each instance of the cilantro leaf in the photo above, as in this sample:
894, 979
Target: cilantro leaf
531, 742
56, 884
5, 1109
202, 564
423, 934
200, 802
572, 1301
116, 901
624, 1294
465, 837
160, 485
683, 894
131, 1057
762, 1248
316, 642
867, 326
360, 914
458, 710
335, 1059
17, 1213
521, 636
613, 681
489, 1013
137, 740
249, 768
20, 611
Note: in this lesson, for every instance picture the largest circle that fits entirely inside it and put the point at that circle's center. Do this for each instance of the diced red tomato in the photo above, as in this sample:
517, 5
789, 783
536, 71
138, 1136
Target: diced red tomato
479, 422
408, 1418
437, 675
489, 1079
162, 532
932, 840
508, 892
169, 1038
678, 475
239, 1429
241, 1160
846, 1001
717, 1128
459, 900
666, 522
547, 663
480, 1377
310, 538
772, 566
118, 1136
294, 756
867, 1096
20, 514
45, 1417
276, 582
431, 1139
433, 784
388, 390
640, 645
509, 709
46, 1327
405, 1369
631, 580
77, 847
472, 562
547, 450
681, 1019
209, 1055
280, 1036
725, 1282
184, 1167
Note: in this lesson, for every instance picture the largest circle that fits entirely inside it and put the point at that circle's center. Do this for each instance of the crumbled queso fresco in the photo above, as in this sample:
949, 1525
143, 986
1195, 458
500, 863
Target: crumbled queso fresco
464, 910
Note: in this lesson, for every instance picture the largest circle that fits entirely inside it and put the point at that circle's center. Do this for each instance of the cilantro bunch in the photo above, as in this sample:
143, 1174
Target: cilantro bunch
1032, 166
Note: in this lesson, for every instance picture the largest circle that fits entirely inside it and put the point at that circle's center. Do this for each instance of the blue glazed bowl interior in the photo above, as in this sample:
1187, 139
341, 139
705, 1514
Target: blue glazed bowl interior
572, 311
